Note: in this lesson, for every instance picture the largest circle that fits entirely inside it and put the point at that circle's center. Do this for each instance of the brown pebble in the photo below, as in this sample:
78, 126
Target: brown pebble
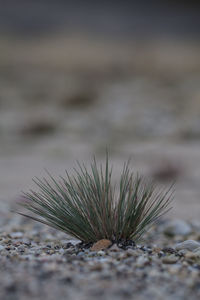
156, 250
171, 259
101, 245
189, 254
96, 267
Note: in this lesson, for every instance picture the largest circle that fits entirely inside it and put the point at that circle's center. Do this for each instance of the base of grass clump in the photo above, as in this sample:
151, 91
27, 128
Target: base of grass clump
86, 205
105, 244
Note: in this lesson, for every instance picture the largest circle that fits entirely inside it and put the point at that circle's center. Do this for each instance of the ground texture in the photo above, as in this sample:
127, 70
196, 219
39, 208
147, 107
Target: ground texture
37, 263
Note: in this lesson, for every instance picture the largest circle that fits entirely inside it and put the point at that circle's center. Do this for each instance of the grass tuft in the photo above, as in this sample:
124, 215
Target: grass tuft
86, 205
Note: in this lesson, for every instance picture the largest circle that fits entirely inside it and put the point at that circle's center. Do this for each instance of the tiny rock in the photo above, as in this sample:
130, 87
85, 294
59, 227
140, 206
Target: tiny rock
101, 253
174, 269
96, 267
187, 245
178, 227
16, 235
171, 259
190, 255
194, 254
101, 245
131, 252
142, 261
197, 249
114, 248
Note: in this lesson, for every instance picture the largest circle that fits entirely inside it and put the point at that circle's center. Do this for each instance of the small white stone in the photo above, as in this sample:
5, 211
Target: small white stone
101, 253
73, 242
187, 245
61, 251
114, 248
1, 247
141, 261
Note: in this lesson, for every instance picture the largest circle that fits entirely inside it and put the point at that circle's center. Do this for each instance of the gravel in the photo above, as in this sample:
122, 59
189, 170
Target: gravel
38, 262
187, 245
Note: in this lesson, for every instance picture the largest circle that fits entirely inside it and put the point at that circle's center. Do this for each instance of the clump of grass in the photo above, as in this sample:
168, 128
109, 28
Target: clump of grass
87, 206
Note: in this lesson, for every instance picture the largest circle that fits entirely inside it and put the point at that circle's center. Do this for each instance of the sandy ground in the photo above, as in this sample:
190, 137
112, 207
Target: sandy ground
67, 98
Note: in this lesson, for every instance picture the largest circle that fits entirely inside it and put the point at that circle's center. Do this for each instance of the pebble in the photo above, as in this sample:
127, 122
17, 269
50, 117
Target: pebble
197, 250
80, 253
171, 259
187, 245
101, 245
174, 269
101, 253
178, 227
114, 248
96, 267
61, 251
131, 252
73, 242
16, 235
190, 254
141, 261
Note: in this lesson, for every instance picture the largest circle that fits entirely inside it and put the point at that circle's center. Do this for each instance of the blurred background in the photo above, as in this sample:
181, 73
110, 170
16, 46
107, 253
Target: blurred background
77, 77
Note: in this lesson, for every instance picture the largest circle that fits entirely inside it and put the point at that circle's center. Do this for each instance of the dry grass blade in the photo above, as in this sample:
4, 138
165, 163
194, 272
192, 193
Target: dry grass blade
85, 205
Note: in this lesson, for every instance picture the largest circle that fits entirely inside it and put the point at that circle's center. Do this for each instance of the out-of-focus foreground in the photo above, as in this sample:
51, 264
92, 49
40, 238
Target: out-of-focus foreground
77, 79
